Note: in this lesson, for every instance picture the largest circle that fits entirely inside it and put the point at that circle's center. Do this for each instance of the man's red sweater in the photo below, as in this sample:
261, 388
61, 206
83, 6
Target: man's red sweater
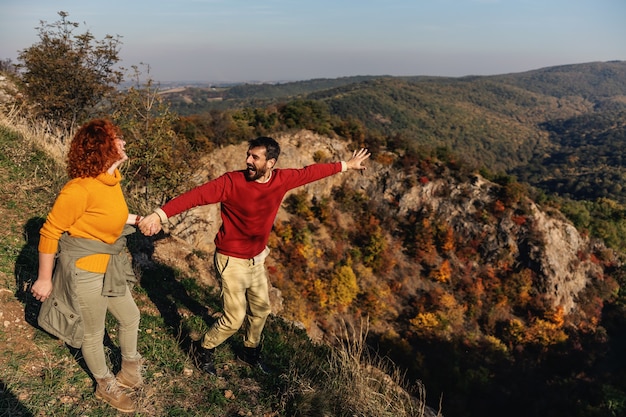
248, 208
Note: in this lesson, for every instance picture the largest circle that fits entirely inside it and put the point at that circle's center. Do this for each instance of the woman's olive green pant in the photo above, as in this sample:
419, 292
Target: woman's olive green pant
93, 309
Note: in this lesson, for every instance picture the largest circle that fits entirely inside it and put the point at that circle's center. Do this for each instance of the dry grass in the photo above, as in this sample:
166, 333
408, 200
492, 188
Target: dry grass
369, 385
52, 140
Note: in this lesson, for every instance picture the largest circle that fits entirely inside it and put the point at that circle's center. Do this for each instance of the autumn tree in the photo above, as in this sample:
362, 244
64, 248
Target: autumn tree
306, 114
343, 286
298, 204
67, 75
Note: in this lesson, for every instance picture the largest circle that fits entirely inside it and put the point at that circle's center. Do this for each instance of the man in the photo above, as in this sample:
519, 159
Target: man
250, 200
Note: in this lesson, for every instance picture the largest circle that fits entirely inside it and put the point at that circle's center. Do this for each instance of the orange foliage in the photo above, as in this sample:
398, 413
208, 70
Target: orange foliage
443, 273
540, 332
425, 323
321, 291
448, 242
519, 220
498, 206
545, 333
385, 159
557, 317
426, 250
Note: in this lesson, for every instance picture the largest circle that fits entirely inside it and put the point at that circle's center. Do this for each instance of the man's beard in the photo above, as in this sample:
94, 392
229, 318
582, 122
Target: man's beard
253, 173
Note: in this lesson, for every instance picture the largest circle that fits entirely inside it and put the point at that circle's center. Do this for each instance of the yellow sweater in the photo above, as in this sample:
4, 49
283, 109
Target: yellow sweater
91, 208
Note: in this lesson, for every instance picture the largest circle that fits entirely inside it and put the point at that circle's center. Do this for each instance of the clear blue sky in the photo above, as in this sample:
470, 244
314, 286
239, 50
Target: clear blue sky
284, 40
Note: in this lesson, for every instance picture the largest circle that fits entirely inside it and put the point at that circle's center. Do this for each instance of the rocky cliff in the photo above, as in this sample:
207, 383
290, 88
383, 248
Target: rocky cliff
518, 235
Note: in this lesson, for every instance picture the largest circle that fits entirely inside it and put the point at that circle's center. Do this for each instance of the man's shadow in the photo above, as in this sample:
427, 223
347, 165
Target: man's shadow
167, 291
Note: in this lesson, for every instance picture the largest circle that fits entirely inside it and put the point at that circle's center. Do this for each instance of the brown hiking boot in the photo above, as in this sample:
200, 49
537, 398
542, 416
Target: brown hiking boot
109, 391
131, 374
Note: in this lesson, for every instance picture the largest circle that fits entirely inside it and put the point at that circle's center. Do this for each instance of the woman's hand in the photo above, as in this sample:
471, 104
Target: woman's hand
42, 288
120, 144
116, 164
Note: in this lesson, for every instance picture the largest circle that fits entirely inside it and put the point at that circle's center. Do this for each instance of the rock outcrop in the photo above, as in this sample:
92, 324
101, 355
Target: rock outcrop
546, 243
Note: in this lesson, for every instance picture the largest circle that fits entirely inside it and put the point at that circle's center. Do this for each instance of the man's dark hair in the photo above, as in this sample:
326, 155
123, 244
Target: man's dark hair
272, 148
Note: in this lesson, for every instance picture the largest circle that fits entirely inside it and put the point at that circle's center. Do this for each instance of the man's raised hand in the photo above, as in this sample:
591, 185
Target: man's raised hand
357, 159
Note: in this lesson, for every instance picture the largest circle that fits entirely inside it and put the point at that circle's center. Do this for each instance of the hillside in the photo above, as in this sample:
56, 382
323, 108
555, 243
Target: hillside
513, 123
447, 276
39, 375
474, 284
469, 277
459, 277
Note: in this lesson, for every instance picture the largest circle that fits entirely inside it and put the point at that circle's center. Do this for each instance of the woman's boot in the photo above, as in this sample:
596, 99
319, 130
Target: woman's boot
109, 391
131, 374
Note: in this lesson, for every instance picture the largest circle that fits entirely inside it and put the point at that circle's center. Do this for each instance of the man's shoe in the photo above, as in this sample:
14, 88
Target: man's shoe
252, 356
204, 359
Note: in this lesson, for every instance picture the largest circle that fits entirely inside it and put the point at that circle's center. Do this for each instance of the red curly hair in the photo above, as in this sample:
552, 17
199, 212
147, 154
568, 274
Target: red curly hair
93, 149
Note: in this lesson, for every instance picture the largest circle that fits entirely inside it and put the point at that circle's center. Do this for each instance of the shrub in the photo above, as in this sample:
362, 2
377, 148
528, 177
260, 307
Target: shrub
67, 75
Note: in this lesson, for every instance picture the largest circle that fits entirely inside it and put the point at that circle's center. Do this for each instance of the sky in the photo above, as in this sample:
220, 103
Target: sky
290, 40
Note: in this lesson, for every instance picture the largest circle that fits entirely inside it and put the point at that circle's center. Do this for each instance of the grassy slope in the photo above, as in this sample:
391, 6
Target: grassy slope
41, 376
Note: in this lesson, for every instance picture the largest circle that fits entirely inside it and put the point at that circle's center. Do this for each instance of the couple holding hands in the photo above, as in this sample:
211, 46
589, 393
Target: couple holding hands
84, 272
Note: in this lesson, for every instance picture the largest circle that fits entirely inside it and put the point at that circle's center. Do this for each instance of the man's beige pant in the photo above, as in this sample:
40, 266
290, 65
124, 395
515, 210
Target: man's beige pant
245, 299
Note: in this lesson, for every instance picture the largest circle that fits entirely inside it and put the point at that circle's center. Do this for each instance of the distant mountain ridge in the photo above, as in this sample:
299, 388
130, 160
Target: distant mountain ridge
594, 79
511, 123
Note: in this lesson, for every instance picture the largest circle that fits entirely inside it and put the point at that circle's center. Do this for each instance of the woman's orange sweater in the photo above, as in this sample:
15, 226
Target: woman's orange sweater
91, 208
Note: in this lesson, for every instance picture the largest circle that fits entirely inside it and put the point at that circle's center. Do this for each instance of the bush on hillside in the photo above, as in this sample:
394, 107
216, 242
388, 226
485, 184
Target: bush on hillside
66, 75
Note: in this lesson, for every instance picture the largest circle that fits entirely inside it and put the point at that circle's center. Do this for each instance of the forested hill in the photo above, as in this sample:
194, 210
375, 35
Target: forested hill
559, 128
480, 288
468, 285
590, 80
593, 81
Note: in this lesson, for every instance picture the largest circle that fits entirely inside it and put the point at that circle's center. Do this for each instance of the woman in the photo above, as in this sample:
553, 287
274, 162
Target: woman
85, 231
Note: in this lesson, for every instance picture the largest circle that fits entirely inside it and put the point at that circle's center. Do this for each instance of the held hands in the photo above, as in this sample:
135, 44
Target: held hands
357, 159
150, 225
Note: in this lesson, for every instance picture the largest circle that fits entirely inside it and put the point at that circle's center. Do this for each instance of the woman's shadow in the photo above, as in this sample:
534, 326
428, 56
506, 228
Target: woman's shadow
159, 282
26, 272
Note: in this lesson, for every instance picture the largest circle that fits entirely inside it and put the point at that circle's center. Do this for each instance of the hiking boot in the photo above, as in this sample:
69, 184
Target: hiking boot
131, 374
204, 359
109, 391
252, 356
